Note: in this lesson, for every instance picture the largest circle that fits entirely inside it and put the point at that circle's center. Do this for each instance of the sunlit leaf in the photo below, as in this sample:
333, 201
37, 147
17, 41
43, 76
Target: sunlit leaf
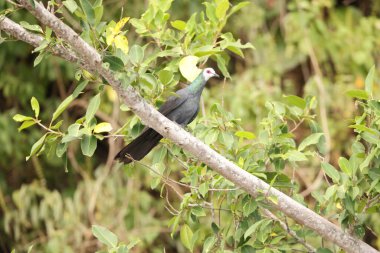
26, 124
122, 42
21, 118
35, 106
221, 8
104, 236
188, 67
245, 134
360, 94
179, 24
103, 127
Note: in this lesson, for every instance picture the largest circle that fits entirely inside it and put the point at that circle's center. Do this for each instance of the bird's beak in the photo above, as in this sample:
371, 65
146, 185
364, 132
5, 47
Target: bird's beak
216, 75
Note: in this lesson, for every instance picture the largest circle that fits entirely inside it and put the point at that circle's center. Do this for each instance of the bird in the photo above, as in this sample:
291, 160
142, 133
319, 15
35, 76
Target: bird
181, 108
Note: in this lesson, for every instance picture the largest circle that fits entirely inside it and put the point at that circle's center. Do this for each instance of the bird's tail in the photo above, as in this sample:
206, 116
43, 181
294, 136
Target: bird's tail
139, 147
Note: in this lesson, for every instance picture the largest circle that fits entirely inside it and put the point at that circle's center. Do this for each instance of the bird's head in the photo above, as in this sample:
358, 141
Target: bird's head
208, 73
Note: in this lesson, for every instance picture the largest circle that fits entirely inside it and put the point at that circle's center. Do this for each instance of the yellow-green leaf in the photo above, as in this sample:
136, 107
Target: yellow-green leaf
179, 24
121, 42
119, 25
103, 127
26, 124
245, 134
92, 107
113, 31
37, 146
188, 67
21, 118
221, 8
186, 235
35, 106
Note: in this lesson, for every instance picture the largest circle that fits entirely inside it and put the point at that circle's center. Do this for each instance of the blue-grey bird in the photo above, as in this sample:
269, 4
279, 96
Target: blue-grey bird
181, 108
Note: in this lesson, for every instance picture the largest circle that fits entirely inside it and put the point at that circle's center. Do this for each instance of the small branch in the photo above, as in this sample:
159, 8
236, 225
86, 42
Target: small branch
289, 231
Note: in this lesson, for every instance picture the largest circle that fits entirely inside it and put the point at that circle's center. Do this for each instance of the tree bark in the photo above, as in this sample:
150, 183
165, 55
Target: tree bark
90, 59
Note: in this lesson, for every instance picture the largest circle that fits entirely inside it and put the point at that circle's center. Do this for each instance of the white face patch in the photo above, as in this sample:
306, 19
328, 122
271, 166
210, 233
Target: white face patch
208, 73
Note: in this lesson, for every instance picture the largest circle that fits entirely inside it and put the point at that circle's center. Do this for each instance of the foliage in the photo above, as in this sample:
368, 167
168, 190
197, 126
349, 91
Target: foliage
267, 117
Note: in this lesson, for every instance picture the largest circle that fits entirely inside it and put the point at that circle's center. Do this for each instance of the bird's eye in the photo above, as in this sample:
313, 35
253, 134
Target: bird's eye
208, 72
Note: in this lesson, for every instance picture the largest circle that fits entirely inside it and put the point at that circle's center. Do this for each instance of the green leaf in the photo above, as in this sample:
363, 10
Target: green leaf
369, 80
323, 250
221, 8
44, 44
35, 106
296, 156
296, 101
136, 54
37, 146
249, 207
245, 134
222, 66
310, 140
203, 189
103, 127
38, 59
65, 103
61, 149
121, 249
26, 124
331, 172
92, 108
229, 43
165, 76
208, 244
34, 28
21, 118
115, 63
345, 166
88, 11
88, 145
252, 229
186, 236
360, 94
133, 243
179, 24
238, 7
105, 236
71, 5
198, 211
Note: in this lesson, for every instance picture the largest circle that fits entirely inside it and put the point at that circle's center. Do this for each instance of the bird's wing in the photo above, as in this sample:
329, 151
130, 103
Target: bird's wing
173, 102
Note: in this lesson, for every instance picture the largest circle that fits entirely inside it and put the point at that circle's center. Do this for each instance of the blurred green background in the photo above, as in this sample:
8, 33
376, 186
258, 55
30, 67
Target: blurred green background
321, 48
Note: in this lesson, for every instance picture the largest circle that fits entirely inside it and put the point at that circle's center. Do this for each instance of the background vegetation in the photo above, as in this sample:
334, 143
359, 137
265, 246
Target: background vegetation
299, 111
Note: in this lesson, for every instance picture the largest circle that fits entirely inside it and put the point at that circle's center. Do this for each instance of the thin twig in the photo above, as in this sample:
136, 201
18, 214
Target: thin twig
289, 231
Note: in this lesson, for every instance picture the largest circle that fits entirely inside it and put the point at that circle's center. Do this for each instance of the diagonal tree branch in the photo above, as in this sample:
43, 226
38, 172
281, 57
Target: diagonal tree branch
91, 60
20, 33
